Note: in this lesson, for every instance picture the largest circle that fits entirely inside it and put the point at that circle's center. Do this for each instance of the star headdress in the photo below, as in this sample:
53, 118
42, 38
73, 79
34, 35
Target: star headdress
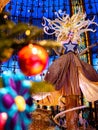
61, 26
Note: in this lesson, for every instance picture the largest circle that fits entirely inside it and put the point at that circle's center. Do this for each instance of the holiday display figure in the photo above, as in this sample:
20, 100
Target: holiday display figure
68, 73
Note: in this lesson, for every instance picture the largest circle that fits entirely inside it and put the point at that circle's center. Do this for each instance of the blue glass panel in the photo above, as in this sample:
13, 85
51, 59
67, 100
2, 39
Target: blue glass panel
96, 68
25, 9
95, 61
91, 7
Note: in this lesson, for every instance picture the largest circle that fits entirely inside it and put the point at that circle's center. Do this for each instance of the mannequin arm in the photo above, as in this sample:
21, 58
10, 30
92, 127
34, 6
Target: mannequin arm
86, 49
58, 51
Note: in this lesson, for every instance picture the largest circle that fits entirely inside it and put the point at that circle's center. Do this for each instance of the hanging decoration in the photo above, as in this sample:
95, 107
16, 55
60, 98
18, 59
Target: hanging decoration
15, 100
32, 59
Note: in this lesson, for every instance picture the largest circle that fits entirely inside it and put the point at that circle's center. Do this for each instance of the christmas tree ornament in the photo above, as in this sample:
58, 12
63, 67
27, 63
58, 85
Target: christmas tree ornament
3, 118
32, 59
16, 101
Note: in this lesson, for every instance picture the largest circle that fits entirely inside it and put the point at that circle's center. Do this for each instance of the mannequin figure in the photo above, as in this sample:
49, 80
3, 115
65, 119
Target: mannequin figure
69, 74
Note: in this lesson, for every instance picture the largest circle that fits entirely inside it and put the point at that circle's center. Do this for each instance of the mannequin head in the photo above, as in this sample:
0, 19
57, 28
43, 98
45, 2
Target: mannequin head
70, 35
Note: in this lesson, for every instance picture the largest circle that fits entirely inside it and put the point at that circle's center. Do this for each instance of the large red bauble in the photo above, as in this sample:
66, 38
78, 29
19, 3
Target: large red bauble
32, 59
